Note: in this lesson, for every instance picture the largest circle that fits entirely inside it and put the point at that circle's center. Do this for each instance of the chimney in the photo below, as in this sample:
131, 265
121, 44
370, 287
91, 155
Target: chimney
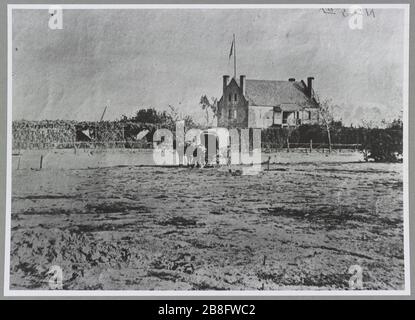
242, 84
225, 83
291, 79
310, 86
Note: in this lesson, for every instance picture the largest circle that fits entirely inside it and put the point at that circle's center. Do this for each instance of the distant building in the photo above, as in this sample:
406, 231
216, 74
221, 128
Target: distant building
266, 103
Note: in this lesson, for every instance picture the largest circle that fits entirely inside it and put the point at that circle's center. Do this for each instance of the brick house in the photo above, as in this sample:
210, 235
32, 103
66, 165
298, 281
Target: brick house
266, 103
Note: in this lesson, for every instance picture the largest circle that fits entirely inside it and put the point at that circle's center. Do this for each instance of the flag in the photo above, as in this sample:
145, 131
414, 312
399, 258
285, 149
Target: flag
142, 134
87, 133
231, 52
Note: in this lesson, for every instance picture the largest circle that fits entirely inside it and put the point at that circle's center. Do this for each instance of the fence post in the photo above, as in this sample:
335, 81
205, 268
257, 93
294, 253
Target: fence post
311, 145
288, 145
41, 162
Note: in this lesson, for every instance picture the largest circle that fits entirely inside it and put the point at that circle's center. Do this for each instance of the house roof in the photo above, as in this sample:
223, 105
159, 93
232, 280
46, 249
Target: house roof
286, 107
276, 93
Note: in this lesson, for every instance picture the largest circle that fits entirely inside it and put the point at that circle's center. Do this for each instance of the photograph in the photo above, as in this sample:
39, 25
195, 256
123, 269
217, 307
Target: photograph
207, 150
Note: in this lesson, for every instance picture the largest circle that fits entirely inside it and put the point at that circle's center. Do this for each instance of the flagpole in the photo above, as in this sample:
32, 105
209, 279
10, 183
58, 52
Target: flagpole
234, 57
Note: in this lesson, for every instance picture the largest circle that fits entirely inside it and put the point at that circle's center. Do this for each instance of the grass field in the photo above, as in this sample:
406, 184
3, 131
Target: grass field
297, 226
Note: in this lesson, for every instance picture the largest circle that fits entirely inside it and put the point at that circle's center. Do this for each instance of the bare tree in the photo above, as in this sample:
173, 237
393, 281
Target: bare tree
326, 118
174, 113
209, 105
176, 116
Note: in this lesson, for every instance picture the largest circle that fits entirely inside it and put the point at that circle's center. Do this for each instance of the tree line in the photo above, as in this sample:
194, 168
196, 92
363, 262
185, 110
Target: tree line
379, 144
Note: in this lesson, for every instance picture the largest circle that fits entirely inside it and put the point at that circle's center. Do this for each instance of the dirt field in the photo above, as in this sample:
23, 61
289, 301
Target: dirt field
297, 226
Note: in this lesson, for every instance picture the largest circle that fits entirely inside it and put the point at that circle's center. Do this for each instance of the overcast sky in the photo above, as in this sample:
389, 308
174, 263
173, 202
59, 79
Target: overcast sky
153, 58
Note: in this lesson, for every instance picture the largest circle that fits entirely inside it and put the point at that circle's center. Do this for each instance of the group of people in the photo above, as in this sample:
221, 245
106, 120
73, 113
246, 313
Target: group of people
194, 155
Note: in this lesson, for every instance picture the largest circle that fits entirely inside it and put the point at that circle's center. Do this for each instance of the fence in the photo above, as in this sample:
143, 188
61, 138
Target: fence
309, 147
42, 134
61, 134
382, 144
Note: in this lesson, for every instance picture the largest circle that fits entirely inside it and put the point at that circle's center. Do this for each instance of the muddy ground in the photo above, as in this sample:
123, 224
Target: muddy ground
297, 226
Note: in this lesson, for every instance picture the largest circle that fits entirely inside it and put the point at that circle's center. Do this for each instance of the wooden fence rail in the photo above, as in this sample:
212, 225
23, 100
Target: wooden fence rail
311, 146
148, 145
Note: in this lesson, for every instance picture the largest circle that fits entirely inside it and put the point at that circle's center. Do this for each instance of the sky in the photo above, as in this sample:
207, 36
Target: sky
135, 58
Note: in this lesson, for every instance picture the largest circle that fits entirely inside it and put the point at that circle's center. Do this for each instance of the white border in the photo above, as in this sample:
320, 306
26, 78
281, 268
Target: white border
406, 151
210, 293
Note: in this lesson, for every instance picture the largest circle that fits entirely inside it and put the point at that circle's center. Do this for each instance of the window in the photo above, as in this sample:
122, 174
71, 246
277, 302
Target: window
234, 114
236, 97
230, 98
309, 115
230, 114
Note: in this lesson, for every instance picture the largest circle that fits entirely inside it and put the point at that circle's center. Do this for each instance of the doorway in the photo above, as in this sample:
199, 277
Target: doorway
211, 143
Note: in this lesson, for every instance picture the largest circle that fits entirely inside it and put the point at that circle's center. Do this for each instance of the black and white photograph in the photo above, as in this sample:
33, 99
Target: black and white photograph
207, 150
